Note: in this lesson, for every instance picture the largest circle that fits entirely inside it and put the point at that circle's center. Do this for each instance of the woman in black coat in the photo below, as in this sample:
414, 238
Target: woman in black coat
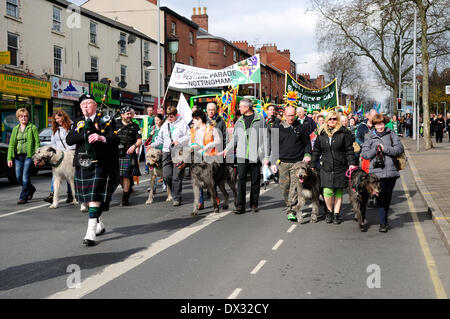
335, 144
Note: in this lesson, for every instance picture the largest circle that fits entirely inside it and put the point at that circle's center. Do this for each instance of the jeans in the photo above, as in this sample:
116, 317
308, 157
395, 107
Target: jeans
385, 197
69, 190
172, 176
23, 170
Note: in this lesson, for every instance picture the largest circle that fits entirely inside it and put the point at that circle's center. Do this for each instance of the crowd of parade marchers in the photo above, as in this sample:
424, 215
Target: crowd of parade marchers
330, 142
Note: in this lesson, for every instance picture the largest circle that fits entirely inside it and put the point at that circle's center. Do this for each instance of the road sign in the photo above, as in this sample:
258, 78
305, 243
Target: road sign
5, 57
447, 89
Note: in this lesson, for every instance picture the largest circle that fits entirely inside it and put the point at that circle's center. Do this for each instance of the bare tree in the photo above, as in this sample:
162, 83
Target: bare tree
382, 32
343, 67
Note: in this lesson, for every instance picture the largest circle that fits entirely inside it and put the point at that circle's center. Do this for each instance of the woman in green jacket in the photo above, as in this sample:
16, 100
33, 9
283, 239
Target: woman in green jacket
22, 146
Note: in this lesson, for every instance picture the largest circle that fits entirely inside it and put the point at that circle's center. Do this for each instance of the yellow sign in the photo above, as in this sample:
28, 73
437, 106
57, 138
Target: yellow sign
18, 85
5, 57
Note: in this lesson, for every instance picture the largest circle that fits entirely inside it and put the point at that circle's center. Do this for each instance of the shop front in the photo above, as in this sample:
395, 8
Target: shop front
65, 95
133, 100
22, 92
112, 97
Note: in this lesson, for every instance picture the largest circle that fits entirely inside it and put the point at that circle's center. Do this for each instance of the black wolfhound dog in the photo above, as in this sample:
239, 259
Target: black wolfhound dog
361, 186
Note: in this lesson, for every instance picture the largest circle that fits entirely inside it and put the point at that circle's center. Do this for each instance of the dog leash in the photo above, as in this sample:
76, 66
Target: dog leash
350, 172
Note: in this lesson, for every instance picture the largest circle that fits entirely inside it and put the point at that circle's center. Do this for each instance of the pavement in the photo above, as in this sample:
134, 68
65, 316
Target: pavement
431, 172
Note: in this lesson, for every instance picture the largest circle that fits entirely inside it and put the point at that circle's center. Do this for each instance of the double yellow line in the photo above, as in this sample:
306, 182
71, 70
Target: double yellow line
431, 265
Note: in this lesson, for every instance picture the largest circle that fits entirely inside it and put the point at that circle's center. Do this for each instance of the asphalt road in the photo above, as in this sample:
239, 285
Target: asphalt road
159, 251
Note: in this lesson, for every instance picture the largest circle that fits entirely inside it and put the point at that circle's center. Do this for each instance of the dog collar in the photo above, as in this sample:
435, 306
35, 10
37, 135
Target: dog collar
59, 162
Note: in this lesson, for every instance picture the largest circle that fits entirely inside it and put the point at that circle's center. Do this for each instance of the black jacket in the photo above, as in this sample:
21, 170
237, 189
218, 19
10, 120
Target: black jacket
336, 157
294, 142
106, 152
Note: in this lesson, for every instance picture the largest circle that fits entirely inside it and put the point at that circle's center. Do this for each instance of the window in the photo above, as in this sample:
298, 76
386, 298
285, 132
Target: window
57, 19
191, 38
147, 77
13, 47
57, 58
123, 44
12, 8
174, 28
94, 64
234, 56
191, 61
123, 73
93, 33
146, 51
224, 50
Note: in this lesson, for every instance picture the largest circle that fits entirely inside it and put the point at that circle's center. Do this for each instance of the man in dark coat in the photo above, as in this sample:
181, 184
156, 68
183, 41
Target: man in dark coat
130, 141
95, 163
213, 118
334, 143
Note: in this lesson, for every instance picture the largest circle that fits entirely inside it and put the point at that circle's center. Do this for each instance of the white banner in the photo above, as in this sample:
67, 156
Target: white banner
188, 77
68, 89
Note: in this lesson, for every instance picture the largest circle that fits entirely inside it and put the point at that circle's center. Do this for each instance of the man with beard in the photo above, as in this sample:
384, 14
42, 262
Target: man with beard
130, 141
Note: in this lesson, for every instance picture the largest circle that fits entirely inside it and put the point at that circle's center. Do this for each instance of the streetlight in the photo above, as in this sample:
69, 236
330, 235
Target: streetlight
445, 108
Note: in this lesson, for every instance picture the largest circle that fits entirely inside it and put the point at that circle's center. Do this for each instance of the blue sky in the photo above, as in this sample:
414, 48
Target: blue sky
287, 23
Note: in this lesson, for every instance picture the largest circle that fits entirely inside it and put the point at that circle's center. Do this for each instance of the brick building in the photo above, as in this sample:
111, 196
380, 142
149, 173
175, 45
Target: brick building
185, 31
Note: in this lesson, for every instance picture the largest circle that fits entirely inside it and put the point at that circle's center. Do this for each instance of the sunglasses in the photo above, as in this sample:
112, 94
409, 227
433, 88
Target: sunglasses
333, 119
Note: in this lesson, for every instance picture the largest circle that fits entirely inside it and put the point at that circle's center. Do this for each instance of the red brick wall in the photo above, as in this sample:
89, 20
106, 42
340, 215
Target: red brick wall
210, 54
185, 48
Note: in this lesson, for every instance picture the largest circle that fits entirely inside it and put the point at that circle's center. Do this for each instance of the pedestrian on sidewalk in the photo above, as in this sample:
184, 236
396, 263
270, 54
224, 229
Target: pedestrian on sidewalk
23, 144
96, 164
61, 124
439, 128
447, 123
382, 146
335, 144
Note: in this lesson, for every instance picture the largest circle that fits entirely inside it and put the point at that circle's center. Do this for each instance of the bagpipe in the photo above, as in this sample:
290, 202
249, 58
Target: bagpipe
103, 119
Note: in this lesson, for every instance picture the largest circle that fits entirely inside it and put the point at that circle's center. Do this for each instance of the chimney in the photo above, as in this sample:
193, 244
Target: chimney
199, 18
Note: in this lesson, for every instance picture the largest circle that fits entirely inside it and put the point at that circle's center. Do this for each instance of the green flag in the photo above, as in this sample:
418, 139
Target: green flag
323, 98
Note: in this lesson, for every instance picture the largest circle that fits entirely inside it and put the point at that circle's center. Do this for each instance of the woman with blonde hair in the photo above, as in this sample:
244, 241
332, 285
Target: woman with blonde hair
334, 144
61, 124
23, 144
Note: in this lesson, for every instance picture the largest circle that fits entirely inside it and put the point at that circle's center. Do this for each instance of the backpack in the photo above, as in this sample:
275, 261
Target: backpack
400, 160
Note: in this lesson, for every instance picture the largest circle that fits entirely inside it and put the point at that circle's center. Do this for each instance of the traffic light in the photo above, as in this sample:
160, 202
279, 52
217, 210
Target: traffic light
399, 103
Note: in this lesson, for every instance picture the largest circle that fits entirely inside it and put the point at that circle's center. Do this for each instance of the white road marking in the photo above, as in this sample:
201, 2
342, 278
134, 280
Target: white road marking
258, 267
277, 245
46, 205
114, 271
291, 229
235, 293
28, 209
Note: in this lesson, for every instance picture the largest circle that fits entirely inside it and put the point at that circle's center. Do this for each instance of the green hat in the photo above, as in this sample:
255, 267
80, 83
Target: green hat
309, 110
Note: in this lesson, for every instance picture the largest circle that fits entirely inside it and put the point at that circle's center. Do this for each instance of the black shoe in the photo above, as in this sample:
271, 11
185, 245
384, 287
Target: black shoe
30, 197
239, 211
328, 217
69, 198
21, 202
336, 219
49, 198
88, 242
383, 228
255, 209
125, 198
176, 203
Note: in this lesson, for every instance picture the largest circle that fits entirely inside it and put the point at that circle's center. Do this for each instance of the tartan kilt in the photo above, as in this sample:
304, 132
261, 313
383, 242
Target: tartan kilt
126, 166
95, 184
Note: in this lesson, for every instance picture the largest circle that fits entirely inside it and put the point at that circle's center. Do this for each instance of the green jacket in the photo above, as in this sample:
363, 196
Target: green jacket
32, 141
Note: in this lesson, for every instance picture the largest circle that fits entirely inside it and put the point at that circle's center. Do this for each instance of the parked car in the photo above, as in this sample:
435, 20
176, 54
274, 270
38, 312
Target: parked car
45, 136
6, 171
